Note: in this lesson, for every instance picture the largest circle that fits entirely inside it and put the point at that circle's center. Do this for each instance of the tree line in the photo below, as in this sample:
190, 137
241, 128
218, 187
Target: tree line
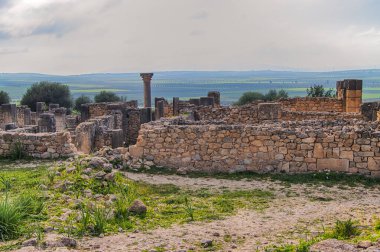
54, 92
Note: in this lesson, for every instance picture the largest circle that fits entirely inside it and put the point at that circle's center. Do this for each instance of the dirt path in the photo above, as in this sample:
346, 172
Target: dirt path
296, 211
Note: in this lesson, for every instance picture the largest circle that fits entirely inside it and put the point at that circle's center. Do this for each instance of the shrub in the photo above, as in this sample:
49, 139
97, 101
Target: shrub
10, 220
345, 229
249, 97
81, 100
4, 98
272, 95
189, 209
17, 151
48, 92
100, 220
319, 91
106, 96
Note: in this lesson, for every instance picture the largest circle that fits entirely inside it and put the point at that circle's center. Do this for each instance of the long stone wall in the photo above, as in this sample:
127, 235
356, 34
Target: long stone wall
40, 145
343, 145
312, 104
261, 112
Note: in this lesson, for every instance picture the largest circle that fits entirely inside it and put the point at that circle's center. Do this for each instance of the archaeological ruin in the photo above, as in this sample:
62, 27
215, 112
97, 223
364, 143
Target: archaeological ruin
290, 135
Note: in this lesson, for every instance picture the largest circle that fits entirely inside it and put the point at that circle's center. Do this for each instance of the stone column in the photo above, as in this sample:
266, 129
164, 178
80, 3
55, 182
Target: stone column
353, 95
60, 118
40, 108
147, 77
46, 123
216, 96
175, 106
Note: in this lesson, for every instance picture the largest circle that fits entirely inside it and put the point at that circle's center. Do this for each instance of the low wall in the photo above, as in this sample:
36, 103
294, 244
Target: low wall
312, 104
40, 145
341, 145
261, 112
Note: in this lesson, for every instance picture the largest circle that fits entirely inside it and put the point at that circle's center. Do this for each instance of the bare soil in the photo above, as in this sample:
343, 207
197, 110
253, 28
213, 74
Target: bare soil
297, 212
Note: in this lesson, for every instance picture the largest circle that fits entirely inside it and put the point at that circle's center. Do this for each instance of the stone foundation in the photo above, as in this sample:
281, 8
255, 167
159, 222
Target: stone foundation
343, 146
40, 145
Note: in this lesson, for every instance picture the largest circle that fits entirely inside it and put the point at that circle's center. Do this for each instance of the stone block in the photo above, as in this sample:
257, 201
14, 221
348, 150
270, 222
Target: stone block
269, 111
333, 164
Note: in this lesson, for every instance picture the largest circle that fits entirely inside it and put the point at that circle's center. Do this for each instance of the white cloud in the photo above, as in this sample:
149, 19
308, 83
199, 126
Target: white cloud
68, 36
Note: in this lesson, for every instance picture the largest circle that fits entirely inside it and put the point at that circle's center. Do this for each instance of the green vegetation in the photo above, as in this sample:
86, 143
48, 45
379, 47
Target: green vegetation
81, 100
344, 229
272, 95
106, 96
17, 151
319, 91
79, 203
4, 97
48, 92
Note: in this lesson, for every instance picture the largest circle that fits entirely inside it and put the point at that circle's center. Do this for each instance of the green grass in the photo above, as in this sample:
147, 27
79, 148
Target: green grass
166, 204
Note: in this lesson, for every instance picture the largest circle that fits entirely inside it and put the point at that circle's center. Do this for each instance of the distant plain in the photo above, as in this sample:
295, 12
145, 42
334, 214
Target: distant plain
195, 84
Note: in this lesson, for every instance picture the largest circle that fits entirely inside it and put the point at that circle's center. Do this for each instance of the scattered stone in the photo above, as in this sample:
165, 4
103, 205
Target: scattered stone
30, 242
364, 244
333, 245
206, 243
137, 207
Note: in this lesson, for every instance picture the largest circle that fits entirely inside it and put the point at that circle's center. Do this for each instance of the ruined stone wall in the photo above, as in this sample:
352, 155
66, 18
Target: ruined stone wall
93, 110
40, 145
259, 112
343, 146
320, 104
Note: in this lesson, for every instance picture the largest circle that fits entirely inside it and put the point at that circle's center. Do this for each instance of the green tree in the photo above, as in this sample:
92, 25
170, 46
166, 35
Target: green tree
48, 92
4, 97
249, 97
319, 91
106, 96
272, 95
81, 100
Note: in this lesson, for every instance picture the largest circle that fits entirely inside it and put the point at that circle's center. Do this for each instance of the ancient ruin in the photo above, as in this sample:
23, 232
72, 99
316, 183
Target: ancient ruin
289, 135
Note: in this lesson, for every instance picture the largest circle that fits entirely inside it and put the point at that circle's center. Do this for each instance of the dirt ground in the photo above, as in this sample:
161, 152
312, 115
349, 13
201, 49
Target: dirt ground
298, 211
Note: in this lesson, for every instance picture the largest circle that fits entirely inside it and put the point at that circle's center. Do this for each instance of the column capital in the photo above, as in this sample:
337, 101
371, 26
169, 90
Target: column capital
146, 75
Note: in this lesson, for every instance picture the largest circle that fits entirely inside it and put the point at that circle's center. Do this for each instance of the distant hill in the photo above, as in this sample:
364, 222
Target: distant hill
187, 84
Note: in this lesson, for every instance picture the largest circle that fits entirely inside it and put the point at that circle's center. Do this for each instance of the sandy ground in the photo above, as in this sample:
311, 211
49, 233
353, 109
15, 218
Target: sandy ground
292, 215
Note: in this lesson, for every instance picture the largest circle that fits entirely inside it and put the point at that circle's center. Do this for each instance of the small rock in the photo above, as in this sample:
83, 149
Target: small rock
97, 162
182, 171
100, 175
364, 244
43, 187
70, 170
333, 245
30, 242
68, 242
206, 243
110, 176
216, 234
87, 171
107, 168
137, 207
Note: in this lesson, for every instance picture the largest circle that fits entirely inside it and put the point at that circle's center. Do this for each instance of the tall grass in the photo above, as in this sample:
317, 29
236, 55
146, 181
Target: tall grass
10, 220
17, 151
100, 220
345, 229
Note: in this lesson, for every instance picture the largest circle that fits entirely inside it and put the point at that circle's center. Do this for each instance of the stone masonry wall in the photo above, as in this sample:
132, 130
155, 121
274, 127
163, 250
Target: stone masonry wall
349, 146
40, 145
258, 112
312, 104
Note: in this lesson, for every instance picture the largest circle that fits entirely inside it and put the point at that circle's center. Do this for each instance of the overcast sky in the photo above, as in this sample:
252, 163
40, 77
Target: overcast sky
87, 36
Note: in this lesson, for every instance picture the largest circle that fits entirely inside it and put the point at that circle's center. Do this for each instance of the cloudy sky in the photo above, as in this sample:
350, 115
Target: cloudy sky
87, 36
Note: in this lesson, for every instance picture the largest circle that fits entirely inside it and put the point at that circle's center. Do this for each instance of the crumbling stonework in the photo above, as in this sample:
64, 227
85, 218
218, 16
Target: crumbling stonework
40, 145
344, 146
318, 104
